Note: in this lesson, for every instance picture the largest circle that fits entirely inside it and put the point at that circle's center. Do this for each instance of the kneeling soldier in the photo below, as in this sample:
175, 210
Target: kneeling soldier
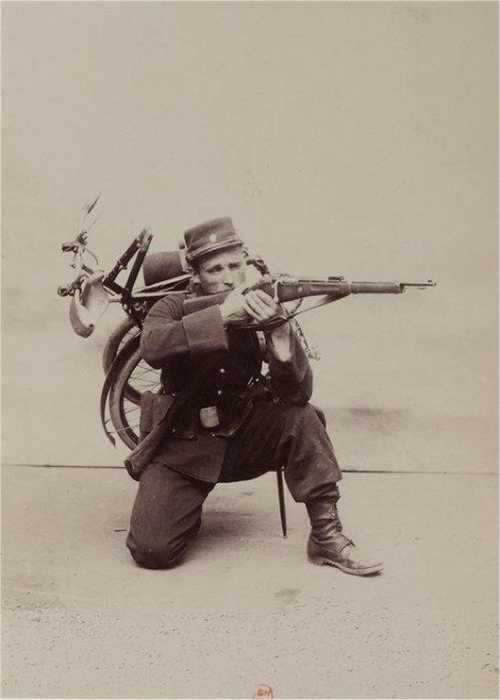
221, 435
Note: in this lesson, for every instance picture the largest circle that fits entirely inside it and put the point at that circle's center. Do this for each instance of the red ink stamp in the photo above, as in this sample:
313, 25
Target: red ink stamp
263, 691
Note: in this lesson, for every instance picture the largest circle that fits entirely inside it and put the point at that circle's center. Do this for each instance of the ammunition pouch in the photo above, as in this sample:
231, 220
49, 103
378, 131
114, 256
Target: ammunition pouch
155, 422
154, 408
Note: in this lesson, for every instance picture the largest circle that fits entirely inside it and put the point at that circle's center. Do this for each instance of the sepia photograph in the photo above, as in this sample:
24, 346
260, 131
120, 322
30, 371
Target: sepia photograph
250, 349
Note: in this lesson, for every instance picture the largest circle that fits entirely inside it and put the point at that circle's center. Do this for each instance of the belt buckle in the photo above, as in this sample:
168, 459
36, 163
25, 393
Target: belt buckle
209, 417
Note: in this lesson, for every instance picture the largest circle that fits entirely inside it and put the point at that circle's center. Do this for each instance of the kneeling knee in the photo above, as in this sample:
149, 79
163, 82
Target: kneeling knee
158, 556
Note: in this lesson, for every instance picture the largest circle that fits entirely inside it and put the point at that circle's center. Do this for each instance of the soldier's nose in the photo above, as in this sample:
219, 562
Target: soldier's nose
228, 279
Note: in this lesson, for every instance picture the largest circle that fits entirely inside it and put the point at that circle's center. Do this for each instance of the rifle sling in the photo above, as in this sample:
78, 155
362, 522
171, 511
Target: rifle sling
280, 320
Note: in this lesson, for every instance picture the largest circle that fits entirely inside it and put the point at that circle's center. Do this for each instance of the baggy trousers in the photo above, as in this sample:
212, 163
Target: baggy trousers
167, 510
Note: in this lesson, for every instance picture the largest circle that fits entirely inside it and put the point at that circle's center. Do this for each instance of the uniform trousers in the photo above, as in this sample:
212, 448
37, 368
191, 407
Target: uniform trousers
168, 506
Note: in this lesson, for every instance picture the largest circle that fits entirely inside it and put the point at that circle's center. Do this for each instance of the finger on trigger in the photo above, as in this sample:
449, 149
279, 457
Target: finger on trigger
264, 297
252, 306
261, 309
253, 314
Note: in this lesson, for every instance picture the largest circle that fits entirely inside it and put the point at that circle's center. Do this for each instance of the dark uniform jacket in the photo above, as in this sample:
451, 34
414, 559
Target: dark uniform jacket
181, 343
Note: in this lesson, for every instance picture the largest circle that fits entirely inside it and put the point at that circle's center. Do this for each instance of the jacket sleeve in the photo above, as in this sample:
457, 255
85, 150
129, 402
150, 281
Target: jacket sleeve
166, 333
291, 381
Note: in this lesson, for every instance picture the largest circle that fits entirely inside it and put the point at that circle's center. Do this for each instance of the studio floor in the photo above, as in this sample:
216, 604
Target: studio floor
246, 614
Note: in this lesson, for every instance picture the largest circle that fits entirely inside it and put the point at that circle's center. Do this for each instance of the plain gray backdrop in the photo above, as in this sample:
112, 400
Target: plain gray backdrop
357, 139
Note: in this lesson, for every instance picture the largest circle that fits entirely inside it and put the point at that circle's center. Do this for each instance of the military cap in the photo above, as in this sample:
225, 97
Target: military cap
210, 237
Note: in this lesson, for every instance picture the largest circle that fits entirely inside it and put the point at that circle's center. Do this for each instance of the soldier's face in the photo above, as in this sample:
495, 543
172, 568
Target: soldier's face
221, 271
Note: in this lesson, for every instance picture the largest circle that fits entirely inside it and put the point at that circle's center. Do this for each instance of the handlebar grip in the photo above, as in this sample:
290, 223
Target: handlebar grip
69, 247
66, 290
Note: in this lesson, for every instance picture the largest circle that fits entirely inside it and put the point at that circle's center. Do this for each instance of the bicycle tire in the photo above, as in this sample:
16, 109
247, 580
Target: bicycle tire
125, 330
117, 338
137, 375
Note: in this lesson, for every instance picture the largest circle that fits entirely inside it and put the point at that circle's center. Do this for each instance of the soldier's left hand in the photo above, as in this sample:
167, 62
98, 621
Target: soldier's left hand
260, 306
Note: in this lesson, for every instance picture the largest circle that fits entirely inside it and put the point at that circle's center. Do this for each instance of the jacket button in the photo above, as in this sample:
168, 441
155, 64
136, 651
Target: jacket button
222, 370
219, 392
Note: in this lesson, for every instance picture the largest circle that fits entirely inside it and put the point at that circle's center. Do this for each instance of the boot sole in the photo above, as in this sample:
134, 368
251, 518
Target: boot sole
368, 571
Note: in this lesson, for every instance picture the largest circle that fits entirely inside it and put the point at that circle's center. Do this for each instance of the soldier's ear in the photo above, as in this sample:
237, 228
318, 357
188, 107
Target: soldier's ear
195, 276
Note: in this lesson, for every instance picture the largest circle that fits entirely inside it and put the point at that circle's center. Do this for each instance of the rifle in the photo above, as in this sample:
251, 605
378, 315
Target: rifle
285, 289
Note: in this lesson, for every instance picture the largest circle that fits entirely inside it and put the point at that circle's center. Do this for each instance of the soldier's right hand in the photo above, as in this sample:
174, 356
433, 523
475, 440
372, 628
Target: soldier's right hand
233, 308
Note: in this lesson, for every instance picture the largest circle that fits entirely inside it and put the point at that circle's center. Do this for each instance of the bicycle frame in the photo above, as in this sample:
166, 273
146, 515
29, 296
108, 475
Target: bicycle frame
136, 303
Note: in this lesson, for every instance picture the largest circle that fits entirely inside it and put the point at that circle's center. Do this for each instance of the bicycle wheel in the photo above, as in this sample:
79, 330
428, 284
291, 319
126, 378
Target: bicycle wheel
125, 330
136, 376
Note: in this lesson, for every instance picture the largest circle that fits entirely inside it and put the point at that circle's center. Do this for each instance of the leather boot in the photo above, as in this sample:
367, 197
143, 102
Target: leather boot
327, 544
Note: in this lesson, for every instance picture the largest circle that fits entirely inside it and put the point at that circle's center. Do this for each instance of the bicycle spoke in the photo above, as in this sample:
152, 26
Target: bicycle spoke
115, 430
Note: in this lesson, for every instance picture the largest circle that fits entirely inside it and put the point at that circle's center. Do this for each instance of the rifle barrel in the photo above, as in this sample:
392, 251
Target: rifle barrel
289, 289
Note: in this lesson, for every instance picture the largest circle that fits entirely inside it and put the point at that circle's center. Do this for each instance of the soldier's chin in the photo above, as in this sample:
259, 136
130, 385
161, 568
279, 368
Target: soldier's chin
218, 291
214, 292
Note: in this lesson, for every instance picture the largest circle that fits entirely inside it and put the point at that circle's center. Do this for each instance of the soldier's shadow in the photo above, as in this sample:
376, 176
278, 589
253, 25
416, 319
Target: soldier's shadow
226, 524
226, 528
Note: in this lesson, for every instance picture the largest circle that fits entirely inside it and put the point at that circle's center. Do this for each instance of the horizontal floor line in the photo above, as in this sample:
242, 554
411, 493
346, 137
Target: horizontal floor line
344, 471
